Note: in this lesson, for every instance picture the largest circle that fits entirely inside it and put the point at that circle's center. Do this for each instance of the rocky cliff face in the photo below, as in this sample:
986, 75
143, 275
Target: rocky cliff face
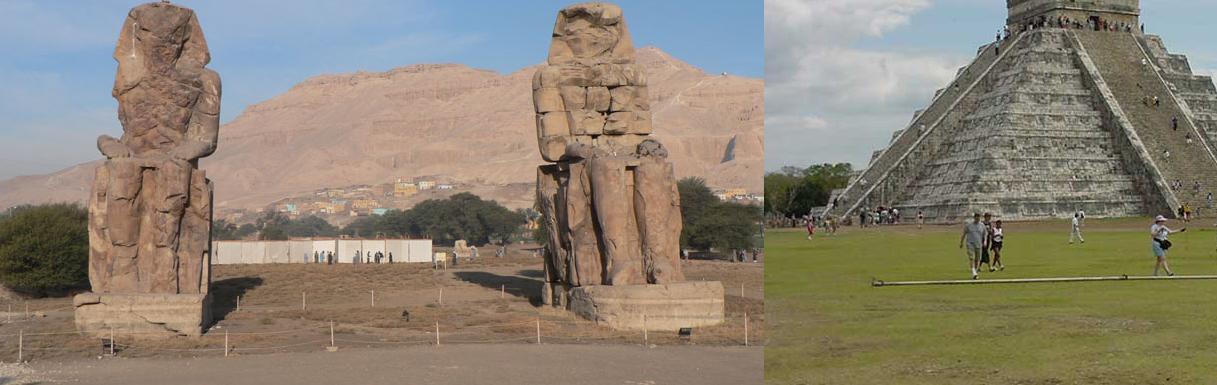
446, 120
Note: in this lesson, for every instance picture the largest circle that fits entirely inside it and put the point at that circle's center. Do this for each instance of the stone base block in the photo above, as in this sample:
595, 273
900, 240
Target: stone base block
154, 314
653, 307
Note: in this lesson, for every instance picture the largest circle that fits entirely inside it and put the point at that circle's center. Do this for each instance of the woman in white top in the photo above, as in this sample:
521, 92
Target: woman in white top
995, 242
1161, 243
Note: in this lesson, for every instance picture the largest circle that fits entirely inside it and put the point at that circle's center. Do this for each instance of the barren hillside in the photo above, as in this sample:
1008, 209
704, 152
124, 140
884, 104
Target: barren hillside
449, 120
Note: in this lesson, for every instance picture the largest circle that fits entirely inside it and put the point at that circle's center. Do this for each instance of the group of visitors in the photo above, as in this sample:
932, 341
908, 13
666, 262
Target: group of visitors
1093, 24
326, 257
370, 258
741, 255
982, 239
879, 216
828, 223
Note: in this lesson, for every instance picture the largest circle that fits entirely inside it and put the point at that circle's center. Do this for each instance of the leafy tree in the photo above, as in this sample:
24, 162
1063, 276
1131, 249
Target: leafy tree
725, 226
794, 191
222, 230
246, 230
711, 223
461, 216
44, 249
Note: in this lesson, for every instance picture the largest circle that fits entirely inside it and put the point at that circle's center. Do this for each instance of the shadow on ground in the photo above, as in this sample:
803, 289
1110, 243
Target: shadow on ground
224, 295
527, 285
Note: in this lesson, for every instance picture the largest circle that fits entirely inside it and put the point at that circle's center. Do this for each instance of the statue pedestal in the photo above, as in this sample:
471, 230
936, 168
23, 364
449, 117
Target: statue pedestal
652, 307
154, 314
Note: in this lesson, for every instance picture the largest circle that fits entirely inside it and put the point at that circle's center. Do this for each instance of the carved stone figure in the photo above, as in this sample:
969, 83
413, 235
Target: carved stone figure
150, 208
609, 200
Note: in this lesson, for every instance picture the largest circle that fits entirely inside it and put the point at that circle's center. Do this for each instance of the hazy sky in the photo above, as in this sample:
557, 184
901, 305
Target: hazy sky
56, 69
842, 75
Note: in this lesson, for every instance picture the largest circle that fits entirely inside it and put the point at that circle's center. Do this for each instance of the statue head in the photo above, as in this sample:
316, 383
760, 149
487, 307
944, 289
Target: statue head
591, 33
158, 38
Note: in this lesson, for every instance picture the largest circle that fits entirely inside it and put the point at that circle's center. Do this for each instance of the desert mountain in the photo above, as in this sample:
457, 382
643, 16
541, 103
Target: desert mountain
450, 121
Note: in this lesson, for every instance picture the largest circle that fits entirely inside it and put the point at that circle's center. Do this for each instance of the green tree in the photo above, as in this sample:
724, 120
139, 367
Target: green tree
725, 226
44, 249
710, 223
461, 216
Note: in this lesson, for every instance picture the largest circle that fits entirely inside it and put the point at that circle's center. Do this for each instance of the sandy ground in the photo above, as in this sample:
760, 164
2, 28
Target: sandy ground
489, 307
460, 364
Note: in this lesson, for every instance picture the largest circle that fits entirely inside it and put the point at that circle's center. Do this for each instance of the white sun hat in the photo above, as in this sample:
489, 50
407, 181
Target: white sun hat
1159, 219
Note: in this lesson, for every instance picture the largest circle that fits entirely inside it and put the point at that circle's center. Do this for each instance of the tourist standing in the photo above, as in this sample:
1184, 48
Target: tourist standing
1077, 228
1161, 243
973, 238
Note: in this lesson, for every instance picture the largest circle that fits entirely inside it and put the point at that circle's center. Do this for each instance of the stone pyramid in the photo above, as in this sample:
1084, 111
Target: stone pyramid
1057, 116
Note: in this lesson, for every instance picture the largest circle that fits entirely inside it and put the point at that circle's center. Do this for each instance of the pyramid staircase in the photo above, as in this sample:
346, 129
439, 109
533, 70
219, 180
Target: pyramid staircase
1042, 128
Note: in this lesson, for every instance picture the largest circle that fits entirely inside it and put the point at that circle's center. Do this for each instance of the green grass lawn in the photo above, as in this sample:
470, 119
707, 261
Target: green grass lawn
829, 326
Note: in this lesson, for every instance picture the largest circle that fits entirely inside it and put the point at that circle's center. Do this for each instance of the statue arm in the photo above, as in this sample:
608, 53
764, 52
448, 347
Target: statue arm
204, 127
112, 148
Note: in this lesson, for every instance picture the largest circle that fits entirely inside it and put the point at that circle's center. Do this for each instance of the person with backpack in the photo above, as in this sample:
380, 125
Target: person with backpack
1161, 243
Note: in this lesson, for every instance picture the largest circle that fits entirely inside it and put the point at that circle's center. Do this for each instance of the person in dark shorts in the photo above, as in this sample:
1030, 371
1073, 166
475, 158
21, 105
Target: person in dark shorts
995, 241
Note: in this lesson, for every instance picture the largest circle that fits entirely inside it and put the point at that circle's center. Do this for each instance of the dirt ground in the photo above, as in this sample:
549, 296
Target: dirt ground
459, 364
288, 308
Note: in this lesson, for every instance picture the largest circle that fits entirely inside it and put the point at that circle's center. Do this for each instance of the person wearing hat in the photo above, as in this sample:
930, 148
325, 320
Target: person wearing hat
1161, 243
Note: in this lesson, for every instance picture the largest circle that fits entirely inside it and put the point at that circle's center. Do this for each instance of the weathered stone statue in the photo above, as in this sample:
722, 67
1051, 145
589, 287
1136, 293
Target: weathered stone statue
609, 198
150, 208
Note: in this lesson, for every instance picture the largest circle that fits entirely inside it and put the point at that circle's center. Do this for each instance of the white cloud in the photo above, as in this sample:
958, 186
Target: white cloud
855, 97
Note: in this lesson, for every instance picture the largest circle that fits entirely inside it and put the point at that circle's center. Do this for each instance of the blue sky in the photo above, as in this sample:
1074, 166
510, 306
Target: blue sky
56, 69
843, 75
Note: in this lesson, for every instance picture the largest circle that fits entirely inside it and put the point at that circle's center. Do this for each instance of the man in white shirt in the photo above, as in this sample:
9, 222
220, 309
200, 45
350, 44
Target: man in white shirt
1077, 228
974, 234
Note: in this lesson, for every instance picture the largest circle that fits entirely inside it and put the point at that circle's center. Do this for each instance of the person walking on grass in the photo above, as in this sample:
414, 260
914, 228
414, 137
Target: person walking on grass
973, 238
984, 249
1077, 229
1161, 243
995, 241
811, 228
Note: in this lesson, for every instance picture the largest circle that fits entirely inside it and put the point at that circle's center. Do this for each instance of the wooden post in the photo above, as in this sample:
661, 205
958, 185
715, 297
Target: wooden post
225, 342
646, 339
502, 291
436, 333
303, 301
745, 329
538, 330
741, 290
373, 298
331, 333
20, 345
238, 303
111, 342
10, 312
441, 296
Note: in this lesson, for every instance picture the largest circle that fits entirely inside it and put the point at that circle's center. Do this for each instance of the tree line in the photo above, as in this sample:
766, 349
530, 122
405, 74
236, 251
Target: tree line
793, 192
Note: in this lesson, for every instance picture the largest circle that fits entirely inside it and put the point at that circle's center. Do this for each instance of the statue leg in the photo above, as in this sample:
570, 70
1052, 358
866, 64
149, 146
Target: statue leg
195, 240
99, 241
612, 201
586, 264
170, 183
123, 222
657, 206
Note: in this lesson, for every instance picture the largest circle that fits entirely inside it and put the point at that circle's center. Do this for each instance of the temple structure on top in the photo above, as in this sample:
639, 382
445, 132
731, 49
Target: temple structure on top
1074, 108
1023, 12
